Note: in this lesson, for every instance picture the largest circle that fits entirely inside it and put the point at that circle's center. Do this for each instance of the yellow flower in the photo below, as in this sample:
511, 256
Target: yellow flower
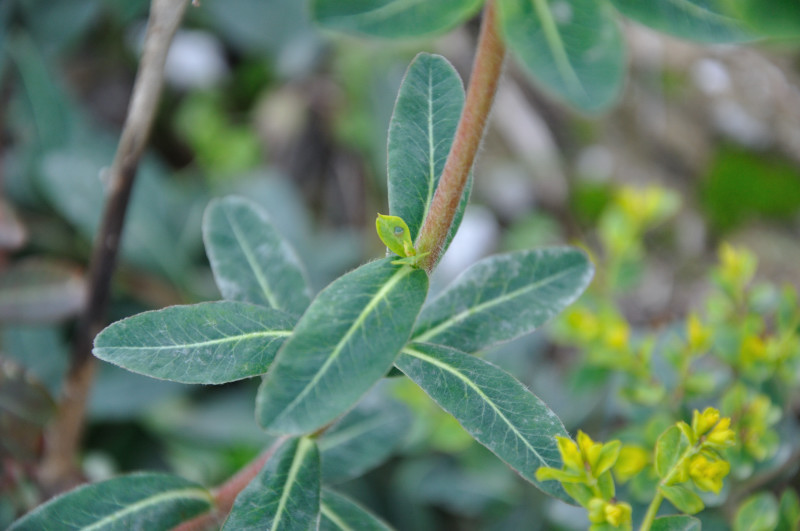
708, 474
615, 513
737, 266
697, 335
722, 434
632, 459
702, 422
598, 456
570, 454
753, 350
617, 335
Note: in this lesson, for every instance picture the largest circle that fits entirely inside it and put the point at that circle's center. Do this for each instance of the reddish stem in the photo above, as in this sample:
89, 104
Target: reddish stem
486, 70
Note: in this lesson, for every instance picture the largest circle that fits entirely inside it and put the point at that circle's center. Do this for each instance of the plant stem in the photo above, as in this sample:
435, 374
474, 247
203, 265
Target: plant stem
486, 70
652, 510
225, 494
62, 440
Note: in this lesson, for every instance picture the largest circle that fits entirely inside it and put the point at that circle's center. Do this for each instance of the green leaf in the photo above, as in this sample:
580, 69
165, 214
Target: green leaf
503, 297
421, 132
758, 513
772, 18
250, 260
339, 513
344, 343
669, 448
574, 48
284, 496
676, 523
208, 343
789, 513
393, 18
698, 20
394, 234
683, 499
137, 501
363, 439
497, 410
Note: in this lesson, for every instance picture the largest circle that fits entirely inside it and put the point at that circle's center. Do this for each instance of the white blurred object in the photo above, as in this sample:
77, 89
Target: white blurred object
476, 238
734, 120
711, 76
196, 60
596, 163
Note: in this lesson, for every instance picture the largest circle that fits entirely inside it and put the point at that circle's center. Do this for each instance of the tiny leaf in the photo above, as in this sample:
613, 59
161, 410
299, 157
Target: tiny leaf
137, 501
503, 297
393, 18
344, 343
339, 513
250, 260
496, 409
676, 523
394, 234
284, 496
208, 343
572, 47
682, 498
421, 133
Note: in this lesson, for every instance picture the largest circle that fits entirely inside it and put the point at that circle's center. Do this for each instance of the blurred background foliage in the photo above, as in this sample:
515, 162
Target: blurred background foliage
262, 103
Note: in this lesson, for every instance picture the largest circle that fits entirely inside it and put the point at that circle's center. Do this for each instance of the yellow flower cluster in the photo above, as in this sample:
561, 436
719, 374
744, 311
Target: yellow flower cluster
616, 514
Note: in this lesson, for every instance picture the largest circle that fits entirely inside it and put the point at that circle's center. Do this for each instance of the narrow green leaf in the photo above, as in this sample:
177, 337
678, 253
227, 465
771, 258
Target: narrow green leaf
574, 48
789, 511
697, 20
344, 343
669, 448
208, 343
363, 439
496, 409
137, 501
676, 523
503, 297
393, 18
683, 499
250, 260
339, 513
758, 513
284, 496
421, 132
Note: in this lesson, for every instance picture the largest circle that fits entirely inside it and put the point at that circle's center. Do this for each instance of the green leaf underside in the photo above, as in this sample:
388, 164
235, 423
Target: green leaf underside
344, 343
495, 408
669, 448
393, 18
503, 297
363, 439
137, 501
206, 343
285, 495
676, 523
698, 20
682, 498
339, 513
760, 512
574, 48
421, 132
250, 260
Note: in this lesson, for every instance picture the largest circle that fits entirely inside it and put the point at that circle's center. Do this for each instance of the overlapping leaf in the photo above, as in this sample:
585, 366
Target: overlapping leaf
284, 496
698, 20
421, 132
574, 48
209, 343
393, 18
250, 260
344, 343
339, 513
363, 439
676, 523
497, 410
139, 501
503, 297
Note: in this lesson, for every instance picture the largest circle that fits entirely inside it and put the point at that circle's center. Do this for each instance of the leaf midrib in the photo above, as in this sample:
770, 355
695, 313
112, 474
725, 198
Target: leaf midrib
380, 295
436, 330
556, 45
431, 153
252, 262
303, 447
702, 12
328, 513
193, 493
452, 370
222, 340
383, 12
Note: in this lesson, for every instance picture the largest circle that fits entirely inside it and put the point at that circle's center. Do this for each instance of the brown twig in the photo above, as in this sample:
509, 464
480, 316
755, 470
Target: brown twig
58, 470
486, 70
226, 493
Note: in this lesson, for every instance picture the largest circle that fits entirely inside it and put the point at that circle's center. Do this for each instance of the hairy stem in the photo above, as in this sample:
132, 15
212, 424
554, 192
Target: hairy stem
486, 70
225, 494
62, 440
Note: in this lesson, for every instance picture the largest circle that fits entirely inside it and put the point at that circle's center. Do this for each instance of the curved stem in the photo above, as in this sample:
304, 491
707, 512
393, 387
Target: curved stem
652, 510
62, 440
486, 70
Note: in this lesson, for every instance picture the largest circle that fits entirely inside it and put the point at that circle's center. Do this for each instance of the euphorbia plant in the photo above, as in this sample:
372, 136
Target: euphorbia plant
318, 356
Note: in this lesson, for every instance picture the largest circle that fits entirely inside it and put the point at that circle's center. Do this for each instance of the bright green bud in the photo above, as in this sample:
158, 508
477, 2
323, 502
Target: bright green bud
708, 474
722, 435
597, 511
394, 233
737, 266
702, 422
618, 514
570, 454
697, 335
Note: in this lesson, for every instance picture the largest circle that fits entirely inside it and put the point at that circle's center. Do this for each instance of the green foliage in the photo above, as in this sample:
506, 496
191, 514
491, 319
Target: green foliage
339, 513
676, 523
151, 501
757, 513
